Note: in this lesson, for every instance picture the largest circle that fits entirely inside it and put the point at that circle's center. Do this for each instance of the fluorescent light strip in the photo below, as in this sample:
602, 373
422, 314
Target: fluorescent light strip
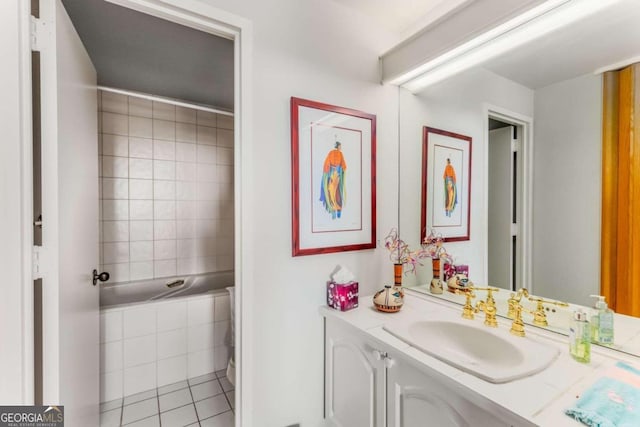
531, 29
165, 100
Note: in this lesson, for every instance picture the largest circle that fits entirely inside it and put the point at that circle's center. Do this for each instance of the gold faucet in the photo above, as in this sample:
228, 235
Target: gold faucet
488, 306
467, 309
517, 327
539, 316
514, 300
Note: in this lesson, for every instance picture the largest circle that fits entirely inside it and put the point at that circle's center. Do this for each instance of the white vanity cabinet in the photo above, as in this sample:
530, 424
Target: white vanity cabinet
368, 384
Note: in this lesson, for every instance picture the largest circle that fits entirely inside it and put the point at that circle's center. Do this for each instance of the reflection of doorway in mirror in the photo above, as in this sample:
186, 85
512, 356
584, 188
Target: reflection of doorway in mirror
447, 171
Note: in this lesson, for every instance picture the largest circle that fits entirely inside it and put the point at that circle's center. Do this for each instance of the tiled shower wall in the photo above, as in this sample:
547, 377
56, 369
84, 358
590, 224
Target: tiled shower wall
166, 189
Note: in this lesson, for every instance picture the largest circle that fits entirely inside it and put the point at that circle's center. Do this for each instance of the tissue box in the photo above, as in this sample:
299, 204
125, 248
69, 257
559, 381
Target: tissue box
342, 296
451, 270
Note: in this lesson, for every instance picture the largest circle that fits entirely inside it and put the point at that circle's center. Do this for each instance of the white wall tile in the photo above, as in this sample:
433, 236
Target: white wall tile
141, 230
224, 156
114, 103
139, 350
164, 209
200, 363
207, 209
141, 270
117, 252
115, 231
186, 265
115, 124
221, 357
140, 107
164, 150
140, 127
185, 190
140, 148
139, 321
222, 308
116, 210
224, 122
164, 190
141, 251
111, 356
163, 129
207, 191
186, 132
207, 173
224, 138
111, 386
186, 248
200, 337
115, 188
110, 325
115, 167
164, 230
205, 247
141, 189
172, 343
164, 249
226, 228
225, 194
172, 370
185, 229
185, 115
185, 171
206, 135
200, 310
164, 111
206, 154
207, 228
224, 246
164, 169
164, 268
141, 209
139, 378
206, 118
185, 209
205, 264
221, 333
141, 168
117, 272
172, 315
115, 145
225, 174
185, 152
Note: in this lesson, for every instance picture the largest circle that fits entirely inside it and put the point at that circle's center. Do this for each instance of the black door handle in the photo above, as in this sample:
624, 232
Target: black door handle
103, 277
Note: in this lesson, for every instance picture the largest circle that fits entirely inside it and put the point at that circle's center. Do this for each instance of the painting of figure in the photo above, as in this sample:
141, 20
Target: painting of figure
450, 188
333, 190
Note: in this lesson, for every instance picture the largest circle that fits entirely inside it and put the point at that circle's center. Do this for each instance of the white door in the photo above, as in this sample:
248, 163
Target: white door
70, 220
500, 208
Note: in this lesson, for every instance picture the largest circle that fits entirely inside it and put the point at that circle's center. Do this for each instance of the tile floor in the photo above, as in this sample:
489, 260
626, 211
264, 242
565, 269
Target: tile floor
206, 401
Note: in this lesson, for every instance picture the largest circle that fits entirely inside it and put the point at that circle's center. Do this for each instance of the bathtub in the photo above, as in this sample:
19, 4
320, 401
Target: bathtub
152, 335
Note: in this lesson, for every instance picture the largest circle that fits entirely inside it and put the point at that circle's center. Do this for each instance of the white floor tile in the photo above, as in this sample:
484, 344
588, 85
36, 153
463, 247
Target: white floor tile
140, 396
231, 397
175, 399
179, 417
110, 418
153, 421
202, 378
108, 406
172, 387
204, 390
222, 373
226, 419
139, 410
226, 384
212, 406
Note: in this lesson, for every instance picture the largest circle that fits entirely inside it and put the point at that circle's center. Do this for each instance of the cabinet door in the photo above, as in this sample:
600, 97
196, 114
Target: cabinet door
414, 399
354, 379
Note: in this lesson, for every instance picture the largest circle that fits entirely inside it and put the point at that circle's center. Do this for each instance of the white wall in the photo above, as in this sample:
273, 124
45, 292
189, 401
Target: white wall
456, 105
567, 185
317, 50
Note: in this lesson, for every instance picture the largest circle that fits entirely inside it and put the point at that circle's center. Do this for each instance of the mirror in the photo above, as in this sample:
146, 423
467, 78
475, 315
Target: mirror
547, 96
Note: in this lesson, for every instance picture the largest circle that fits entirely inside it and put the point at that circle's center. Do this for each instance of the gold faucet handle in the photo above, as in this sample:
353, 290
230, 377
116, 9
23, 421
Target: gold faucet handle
467, 309
517, 327
539, 316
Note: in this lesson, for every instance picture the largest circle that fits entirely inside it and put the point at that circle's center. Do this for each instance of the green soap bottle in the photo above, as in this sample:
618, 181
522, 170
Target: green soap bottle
602, 322
580, 337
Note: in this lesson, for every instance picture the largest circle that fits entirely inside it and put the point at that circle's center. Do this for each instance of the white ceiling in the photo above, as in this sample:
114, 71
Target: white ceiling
603, 39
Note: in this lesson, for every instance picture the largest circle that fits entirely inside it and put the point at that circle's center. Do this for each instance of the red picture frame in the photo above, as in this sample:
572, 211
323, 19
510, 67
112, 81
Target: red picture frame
333, 178
445, 213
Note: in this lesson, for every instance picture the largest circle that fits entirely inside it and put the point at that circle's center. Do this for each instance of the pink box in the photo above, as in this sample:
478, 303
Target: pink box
342, 296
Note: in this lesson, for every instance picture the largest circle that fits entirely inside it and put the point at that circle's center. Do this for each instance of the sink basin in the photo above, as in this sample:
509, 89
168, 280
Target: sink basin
491, 354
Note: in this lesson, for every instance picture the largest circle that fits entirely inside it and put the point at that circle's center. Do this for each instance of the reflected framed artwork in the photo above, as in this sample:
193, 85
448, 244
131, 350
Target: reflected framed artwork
333, 164
446, 184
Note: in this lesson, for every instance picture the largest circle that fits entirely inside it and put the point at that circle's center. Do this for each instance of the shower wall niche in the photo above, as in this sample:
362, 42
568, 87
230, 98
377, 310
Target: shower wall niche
166, 189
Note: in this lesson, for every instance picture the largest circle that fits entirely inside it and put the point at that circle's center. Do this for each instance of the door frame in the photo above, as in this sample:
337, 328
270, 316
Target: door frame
194, 14
526, 123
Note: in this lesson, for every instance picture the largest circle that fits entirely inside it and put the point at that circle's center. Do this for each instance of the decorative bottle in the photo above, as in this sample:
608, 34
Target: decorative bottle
580, 337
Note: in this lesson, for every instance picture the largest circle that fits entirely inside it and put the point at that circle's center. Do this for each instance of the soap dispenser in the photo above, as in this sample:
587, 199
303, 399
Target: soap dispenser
602, 322
580, 337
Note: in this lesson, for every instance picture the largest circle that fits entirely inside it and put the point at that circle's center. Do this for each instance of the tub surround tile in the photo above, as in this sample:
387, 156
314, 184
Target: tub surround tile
141, 251
221, 333
139, 378
140, 189
200, 310
224, 156
185, 190
225, 174
207, 173
114, 103
164, 268
224, 121
172, 343
115, 167
164, 111
140, 230
164, 249
164, 150
141, 270
172, 315
186, 132
115, 124
164, 169
206, 264
115, 231
185, 209
139, 351
115, 210
185, 115
139, 322
186, 265
115, 145
140, 148
206, 154
200, 362
117, 272
139, 397
224, 138
141, 168
185, 171
164, 230
111, 357
141, 209
225, 262
110, 325
206, 118
206, 135
140, 127
114, 253
201, 337
111, 385
140, 107
222, 308
164, 129
164, 190
172, 369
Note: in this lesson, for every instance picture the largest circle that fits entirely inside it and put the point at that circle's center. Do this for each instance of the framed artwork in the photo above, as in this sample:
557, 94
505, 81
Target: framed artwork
446, 184
333, 164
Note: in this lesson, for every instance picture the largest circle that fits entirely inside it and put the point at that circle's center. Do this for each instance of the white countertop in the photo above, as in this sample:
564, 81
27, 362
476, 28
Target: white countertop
540, 398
